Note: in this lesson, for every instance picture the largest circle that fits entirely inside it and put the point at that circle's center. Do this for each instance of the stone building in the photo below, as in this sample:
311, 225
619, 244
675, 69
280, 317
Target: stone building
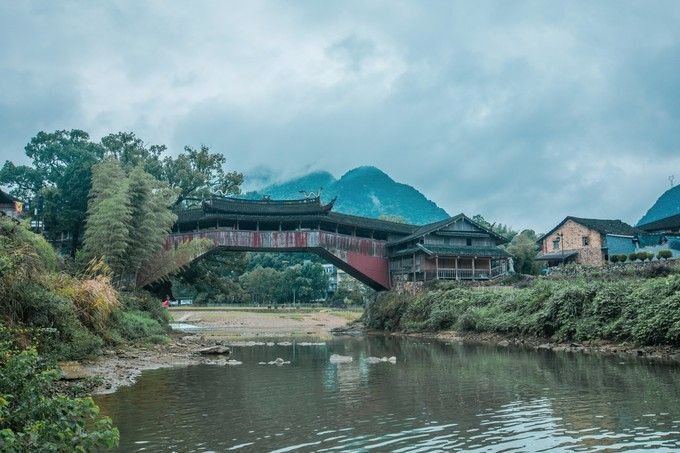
587, 241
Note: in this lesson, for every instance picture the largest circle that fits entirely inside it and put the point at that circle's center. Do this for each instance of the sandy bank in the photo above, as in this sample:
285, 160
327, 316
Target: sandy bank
120, 367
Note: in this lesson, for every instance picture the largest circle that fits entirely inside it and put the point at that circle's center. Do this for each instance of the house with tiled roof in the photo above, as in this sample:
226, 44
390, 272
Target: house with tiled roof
587, 241
456, 248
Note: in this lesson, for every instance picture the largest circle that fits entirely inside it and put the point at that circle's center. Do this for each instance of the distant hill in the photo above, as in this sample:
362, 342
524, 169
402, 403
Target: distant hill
363, 191
667, 205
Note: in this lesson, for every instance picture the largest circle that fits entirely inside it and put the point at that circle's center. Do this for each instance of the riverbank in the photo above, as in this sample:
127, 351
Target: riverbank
666, 353
206, 328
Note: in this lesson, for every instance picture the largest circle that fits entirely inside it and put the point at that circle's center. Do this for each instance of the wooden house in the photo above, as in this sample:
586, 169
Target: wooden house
456, 248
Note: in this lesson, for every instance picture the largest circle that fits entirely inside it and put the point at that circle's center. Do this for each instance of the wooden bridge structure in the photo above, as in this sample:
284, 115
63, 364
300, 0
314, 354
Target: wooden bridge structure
362, 247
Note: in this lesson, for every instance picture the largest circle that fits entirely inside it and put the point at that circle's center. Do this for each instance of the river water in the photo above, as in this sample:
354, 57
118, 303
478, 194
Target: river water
436, 397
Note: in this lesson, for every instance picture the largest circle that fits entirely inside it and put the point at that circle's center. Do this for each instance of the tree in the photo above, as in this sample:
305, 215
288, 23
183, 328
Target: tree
58, 180
33, 417
500, 229
309, 281
200, 173
109, 217
523, 248
213, 278
132, 152
151, 218
264, 285
664, 254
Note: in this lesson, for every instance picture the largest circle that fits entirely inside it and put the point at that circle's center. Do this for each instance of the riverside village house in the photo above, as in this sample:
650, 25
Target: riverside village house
9, 205
587, 241
456, 248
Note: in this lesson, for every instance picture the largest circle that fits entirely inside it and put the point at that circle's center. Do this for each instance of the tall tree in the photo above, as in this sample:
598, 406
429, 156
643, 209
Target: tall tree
132, 152
200, 173
108, 217
58, 179
151, 218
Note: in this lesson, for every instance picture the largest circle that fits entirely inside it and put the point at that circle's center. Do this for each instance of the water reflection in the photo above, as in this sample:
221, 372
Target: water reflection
437, 397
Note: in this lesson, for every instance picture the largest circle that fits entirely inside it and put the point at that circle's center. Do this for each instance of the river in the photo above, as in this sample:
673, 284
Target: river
436, 397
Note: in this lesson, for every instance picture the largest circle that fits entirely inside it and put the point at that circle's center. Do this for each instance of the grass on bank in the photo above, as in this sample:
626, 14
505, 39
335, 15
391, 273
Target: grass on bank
67, 316
643, 308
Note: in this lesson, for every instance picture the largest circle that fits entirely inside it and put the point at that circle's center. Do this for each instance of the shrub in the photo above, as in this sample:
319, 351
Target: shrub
623, 258
664, 254
642, 307
34, 417
614, 259
134, 326
633, 256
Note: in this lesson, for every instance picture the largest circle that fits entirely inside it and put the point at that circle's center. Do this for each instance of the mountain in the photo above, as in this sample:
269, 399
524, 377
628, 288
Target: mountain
363, 191
667, 205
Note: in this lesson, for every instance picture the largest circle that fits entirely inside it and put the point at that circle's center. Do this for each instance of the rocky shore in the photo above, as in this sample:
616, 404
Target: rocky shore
662, 353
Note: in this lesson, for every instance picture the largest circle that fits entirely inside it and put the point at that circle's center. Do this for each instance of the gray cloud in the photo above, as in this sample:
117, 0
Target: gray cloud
524, 112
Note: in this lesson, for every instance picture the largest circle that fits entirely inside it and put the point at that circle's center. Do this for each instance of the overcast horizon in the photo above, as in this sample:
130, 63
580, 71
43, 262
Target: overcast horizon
523, 112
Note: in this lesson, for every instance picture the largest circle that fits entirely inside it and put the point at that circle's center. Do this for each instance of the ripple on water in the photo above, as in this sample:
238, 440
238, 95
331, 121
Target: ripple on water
436, 398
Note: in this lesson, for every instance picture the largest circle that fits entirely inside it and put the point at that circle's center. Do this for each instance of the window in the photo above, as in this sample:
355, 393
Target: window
468, 242
556, 244
586, 241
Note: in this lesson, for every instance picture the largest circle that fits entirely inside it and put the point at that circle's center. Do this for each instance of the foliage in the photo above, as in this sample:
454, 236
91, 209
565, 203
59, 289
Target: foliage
34, 417
213, 278
200, 173
614, 258
57, 183
500, 229
664, 254
128, 219
351, 292
134, 325
639, 309
166, 263
74, 315
523, 248
58, 180
623, 258
108, 218
264, 285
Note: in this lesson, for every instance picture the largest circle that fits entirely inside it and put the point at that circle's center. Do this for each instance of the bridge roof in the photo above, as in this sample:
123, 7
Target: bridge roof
190, 216
267, 206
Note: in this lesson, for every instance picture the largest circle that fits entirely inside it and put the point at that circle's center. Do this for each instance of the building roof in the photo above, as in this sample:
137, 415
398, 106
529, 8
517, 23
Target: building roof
190, 216
557, 256
671, 223
454, 250
6, 198
602, 226
267, 206
432, 227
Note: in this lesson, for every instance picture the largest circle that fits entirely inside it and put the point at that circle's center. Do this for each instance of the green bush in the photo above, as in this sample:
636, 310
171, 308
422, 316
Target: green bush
623, 258
664, 254
621, 308
614, 259
135, 326
35, 417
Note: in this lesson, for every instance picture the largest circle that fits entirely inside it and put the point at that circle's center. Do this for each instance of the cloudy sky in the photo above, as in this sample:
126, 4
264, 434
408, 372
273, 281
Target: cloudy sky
523, 112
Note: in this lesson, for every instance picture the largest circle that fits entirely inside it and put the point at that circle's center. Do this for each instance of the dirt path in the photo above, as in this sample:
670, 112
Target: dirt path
209, 327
